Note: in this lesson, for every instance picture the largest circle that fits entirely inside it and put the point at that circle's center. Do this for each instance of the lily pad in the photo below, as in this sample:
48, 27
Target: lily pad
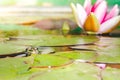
54, 40
46, 61
111, 74
76, 71
11, 67
101, 45
83, 55
109, 41
108, 51
17, 30
105, 53
6, 48
109, 54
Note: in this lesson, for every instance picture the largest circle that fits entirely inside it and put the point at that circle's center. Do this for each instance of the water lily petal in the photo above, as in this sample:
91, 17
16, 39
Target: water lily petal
91, 23
101, 66
87, 6
114, 12
109, 25
74, 9
96, 4
82, 15
100, 11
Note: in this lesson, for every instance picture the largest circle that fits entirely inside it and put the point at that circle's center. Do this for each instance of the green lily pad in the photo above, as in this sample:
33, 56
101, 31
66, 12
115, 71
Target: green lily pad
46, 61
11, 67
9, 27
105, 53
111, 74
109, 54
6, 48
76, 71
17, 30
102, 44
107, 49
29, 74
109, 41
54, 40
83, 55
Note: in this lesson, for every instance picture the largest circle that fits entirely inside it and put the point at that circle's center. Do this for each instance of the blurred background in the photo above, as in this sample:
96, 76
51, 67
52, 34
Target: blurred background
18, 11
47, 2
31, 11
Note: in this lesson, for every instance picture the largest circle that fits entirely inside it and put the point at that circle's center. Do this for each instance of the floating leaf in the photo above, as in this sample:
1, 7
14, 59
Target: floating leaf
10, 48
78, 71
107, 49
54, 40
11, 67
17, 30
84, 55
109, 41
46, 60
111, 74
109, 54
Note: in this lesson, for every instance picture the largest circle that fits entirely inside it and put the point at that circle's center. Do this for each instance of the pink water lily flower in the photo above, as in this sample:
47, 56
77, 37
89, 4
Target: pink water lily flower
96, 18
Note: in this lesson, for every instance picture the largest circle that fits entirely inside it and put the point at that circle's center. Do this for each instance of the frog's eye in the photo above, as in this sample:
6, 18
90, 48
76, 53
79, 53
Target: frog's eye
31, 50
